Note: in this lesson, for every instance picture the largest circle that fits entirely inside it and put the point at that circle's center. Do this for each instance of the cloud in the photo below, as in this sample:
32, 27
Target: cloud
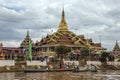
91, 18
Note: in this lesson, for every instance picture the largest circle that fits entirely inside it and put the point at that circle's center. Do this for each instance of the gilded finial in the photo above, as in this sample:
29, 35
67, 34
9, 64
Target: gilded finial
63, 25
63, 13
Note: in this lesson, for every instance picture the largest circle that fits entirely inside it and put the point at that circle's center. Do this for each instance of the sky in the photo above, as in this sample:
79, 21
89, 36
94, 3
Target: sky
96, 19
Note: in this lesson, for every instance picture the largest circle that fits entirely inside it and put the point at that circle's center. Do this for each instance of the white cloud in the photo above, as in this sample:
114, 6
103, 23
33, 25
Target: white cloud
11, 43
91, 18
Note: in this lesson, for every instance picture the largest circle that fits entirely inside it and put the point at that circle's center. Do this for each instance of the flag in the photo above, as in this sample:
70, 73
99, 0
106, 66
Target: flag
30, 50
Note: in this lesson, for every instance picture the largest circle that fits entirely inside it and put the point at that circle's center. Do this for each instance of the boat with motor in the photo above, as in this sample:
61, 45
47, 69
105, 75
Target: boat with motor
92, 68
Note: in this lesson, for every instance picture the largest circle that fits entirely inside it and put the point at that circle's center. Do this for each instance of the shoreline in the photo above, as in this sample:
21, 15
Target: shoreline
43, 69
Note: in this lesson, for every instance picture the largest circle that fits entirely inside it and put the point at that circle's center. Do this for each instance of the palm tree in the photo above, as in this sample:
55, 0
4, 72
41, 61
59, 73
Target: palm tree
61, 51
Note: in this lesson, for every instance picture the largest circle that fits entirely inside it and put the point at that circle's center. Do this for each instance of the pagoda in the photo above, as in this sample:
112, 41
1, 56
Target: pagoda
116, 47
116, 50
1, 52
25, 42
63, 36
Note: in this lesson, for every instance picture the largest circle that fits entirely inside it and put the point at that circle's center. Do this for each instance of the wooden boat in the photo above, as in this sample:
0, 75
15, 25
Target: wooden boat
81, 69
44, 70
35, 70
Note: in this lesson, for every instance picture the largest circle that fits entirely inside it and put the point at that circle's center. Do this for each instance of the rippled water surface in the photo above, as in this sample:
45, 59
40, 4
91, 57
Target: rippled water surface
108, 75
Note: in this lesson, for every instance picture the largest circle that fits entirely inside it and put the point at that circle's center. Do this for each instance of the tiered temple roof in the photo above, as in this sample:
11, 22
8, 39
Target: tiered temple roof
25, 42
65, 37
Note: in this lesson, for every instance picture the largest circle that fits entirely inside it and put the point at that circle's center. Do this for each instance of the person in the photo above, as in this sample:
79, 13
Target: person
73, 64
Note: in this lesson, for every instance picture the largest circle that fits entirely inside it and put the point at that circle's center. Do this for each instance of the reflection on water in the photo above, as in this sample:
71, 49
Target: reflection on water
108, 75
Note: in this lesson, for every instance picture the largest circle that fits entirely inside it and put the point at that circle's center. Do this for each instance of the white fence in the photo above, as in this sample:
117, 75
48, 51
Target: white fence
99, 63
32, 63
7, 63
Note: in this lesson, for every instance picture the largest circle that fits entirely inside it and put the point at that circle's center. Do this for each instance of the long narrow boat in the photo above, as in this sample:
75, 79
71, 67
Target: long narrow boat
35, 70
80, 70
44, 70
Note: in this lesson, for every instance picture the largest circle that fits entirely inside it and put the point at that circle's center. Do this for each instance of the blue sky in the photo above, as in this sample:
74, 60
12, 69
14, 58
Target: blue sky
91, 18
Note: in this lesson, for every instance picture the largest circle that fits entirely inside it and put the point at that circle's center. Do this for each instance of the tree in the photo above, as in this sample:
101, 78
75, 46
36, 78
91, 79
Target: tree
85, 52
103, 57
61, 51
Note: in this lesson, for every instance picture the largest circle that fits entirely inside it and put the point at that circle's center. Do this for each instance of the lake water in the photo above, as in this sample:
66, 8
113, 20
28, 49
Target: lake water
108, 75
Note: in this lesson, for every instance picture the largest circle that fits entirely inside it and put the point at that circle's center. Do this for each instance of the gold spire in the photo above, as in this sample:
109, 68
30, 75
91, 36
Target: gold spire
63, 25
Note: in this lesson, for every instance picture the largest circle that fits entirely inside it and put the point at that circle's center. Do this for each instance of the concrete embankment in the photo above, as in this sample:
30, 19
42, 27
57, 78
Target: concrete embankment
107, 66
11, 65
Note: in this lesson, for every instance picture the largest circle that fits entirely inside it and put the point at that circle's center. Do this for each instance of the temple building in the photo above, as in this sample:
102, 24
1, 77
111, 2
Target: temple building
18, 53
47, 45
15, 53
63, 36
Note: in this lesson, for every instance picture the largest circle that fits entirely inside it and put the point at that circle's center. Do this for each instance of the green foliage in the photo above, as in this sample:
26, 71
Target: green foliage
20, 59
62, 50
103, 57
85, 52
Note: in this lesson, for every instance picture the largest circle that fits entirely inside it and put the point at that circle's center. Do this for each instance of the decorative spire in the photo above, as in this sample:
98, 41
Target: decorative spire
28, 33
63, 14
63, 25
116, 47
25, 42
1, 52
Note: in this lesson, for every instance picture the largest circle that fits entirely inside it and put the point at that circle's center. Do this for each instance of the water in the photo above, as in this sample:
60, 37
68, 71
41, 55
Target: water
108, 75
